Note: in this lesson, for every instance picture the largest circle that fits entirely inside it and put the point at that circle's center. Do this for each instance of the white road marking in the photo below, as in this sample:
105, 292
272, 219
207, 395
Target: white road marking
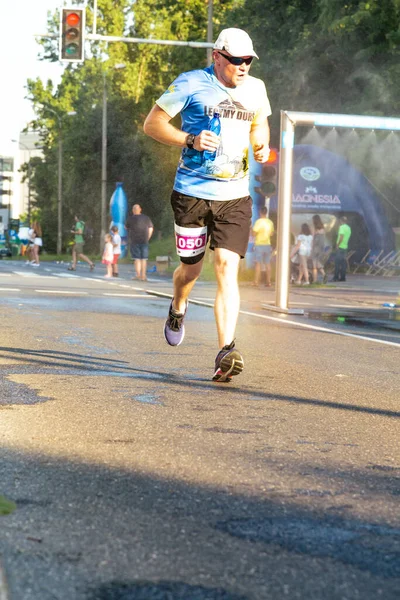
272, 302
10, 290
344, 306
125, 295
326, 329
203, 299
61, 292
5, 274
364, 338
30, 274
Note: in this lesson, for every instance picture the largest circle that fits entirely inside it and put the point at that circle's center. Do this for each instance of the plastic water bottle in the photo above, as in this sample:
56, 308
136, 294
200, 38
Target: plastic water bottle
214, 126
389, 305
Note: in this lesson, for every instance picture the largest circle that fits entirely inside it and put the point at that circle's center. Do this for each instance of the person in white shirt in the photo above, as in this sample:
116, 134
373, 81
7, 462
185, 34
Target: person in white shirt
29, 249
303, 246
116, 242
37, 244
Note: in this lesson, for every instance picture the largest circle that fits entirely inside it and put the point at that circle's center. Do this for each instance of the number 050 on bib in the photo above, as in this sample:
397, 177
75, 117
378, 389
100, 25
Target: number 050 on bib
190, 241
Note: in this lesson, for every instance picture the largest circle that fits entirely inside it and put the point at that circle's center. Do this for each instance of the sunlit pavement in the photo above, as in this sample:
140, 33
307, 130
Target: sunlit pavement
137, 477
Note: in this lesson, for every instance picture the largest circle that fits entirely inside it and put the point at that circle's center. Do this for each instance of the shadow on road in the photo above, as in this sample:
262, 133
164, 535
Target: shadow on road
69, 363
91, 532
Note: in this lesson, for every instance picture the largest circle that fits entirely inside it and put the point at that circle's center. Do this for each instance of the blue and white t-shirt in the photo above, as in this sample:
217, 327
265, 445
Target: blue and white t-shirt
197, 95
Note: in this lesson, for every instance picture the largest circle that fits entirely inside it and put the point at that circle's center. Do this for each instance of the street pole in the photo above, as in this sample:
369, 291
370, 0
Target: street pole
29, 189
59, 187
59, 192
103, 165
60, 169
210, 34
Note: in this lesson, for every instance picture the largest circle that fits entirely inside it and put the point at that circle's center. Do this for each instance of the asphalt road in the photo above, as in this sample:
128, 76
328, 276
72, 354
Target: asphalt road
136, 477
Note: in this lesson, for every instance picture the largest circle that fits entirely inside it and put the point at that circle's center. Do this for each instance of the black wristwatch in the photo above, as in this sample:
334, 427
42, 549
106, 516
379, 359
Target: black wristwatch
190, 140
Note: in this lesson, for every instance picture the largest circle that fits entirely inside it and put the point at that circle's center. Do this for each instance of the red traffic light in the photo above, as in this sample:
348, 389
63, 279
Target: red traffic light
72, 35
73, 19
273, 156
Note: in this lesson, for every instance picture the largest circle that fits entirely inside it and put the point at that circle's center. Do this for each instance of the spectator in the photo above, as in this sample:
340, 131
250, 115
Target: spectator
37, 244
342, 244
318, 249
263, 229
77, 248
140, 229
303, 247
29, 249
108, 255
116, 242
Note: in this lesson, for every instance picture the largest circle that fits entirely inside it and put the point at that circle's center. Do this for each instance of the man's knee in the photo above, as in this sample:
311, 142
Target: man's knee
188, 271
226, 263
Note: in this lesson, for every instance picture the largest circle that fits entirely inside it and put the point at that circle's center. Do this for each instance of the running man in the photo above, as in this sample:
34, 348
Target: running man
210, 198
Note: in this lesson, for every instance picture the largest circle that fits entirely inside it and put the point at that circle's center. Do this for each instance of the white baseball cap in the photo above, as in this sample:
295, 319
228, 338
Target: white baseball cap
235, 41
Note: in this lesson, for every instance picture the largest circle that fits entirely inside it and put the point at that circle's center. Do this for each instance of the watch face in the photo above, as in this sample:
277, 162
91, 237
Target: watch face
190, 140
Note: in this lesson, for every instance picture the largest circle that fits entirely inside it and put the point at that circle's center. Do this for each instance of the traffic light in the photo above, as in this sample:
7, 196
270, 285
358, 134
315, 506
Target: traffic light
269, 175
72, 34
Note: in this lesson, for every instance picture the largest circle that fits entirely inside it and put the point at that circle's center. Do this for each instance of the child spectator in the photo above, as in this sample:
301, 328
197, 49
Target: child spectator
116, 242
303, 247
108, 255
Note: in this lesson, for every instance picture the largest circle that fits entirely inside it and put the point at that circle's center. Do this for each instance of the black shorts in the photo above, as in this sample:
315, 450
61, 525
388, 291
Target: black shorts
227, 223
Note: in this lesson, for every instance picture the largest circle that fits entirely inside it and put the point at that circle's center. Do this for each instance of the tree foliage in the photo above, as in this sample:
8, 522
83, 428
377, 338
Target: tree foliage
315, 55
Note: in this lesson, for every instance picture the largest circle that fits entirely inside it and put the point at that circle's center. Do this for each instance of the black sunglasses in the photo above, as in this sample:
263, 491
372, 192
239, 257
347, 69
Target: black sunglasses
237, 60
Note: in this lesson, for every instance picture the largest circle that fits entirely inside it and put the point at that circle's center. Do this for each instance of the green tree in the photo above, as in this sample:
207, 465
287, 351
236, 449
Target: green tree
315, 55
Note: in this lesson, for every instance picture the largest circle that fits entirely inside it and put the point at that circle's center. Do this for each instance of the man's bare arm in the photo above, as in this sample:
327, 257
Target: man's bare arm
259, 140
157, 125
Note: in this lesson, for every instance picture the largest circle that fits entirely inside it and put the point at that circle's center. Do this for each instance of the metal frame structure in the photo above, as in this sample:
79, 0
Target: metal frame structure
95, 37
289, 120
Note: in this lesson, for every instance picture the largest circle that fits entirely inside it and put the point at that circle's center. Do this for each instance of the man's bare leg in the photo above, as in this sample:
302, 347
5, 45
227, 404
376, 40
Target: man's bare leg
86, 259
185, 276
138, 268
73, 258
257, 273
227, 301
268, 273
143, 270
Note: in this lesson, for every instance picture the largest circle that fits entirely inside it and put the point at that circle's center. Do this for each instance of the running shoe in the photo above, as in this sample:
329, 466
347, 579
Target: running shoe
174, 329
228, 362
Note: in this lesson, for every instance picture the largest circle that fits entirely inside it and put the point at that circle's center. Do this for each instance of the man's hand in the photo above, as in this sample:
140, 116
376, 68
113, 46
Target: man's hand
206, 140
261, 153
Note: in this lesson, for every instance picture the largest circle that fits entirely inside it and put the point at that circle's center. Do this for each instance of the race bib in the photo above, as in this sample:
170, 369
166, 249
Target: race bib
190, 241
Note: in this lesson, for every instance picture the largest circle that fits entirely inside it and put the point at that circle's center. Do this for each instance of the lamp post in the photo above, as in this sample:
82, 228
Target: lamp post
29, 150
210, 34
103, 163
104, 158
59, 186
